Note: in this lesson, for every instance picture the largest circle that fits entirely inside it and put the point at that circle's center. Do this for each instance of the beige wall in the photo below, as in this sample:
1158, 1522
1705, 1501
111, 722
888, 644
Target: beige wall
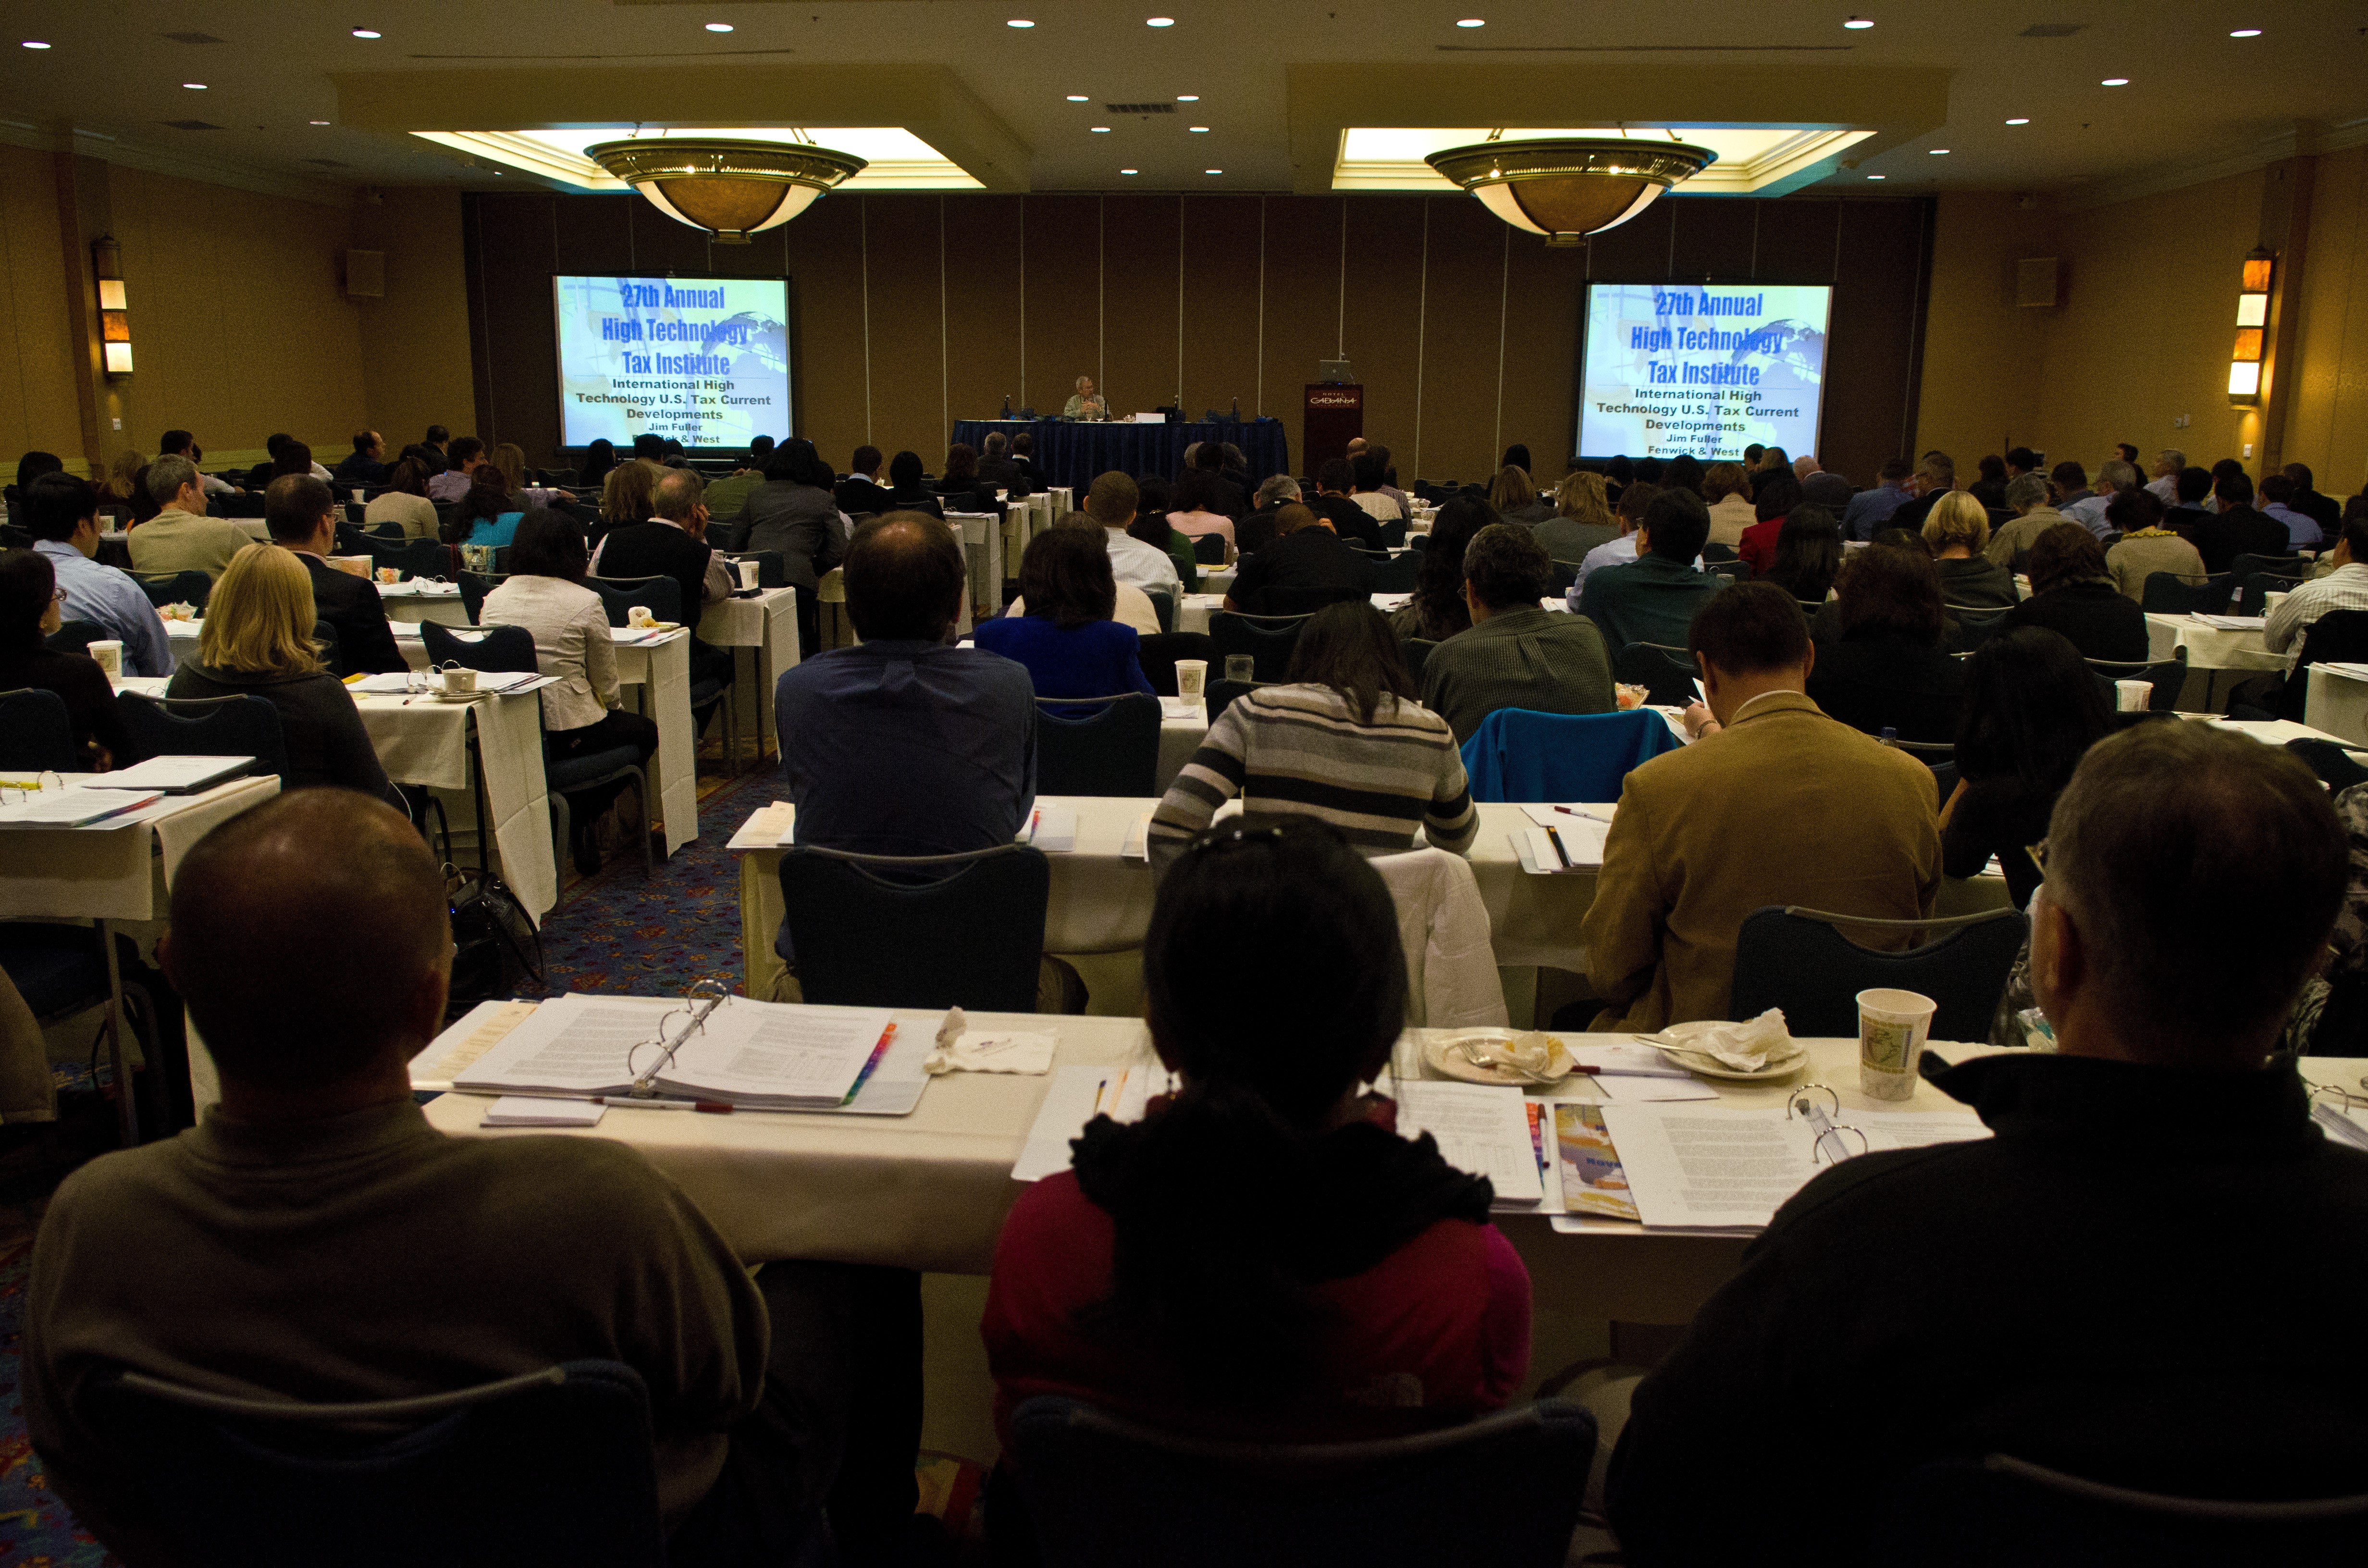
2327, 423
38, 360
415, 342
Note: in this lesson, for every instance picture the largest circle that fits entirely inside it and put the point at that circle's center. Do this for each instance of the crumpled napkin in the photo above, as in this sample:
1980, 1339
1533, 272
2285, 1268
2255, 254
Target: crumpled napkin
962, 1050
1745, 1047
1533, 1051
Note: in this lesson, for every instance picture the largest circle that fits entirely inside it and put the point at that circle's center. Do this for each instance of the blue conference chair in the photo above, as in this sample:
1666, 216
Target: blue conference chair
1097, 745
1517, 755
2175, 593
413, 557
662, 597
550, 1467
917, 931
1100, 1492
244, 725
1667, 673
1267, 638
1796, 959
175, 588
36, 734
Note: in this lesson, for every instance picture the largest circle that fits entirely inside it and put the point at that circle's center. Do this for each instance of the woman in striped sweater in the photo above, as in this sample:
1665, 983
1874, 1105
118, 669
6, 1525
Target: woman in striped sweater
1342, 740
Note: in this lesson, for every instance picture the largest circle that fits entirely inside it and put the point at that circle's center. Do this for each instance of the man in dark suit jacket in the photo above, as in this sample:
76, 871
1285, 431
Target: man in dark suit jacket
674, 544
2326, 510
997, 469
861, 492
1295, 575
301, 515
1332, 504
365, 464
1227, 498
2234, 529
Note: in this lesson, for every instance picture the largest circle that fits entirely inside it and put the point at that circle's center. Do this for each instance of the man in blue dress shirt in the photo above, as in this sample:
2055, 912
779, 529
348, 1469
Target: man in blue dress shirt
61, 514
1870, 510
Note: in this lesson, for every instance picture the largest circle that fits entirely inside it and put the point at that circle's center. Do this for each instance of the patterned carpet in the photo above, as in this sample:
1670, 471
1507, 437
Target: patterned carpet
36, 1530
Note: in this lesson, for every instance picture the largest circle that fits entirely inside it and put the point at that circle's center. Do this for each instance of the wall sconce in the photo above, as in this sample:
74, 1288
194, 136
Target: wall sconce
2252, 325
114, 306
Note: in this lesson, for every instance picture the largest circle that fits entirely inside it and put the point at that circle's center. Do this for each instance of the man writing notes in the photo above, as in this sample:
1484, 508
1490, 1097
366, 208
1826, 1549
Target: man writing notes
313, 1238
2160, 1169
1085, 403
1776, 803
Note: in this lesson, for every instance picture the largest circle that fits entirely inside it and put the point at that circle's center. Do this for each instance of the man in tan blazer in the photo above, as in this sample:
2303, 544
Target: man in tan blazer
181, 538
1776, 803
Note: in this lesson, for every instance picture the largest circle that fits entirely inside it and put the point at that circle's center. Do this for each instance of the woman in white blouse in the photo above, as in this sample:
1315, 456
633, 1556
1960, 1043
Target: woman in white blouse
545, 594
405, 501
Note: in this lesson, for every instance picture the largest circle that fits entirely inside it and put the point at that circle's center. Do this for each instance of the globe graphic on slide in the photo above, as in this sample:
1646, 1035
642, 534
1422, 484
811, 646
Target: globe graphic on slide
1790, 354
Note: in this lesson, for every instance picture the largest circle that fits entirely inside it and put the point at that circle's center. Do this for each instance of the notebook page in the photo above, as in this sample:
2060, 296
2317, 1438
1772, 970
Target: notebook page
1709, 1168
767, 1051
573, 1045
1480, 1129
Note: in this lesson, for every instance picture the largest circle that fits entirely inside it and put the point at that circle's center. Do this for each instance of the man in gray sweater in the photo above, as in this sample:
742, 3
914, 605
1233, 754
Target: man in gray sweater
1516, 654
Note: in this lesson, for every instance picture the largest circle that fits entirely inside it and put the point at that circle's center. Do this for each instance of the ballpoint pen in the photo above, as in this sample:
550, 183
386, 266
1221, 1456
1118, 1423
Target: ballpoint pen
713, 1107
1575, 811
1560, 852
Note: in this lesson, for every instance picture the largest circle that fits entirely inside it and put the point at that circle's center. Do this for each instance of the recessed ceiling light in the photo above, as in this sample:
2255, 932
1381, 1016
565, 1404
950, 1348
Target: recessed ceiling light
2115, 82
1077, 97
1213, 171
1018, 22
1473, 22
1200, 129
718, 27
1158, 21
195, 86
316, 122
2246, 32
2020, 120
35, 43
1101, 130
1858, 24
1187, 97
364, 33
1938, 151
1875, 176
1129, 171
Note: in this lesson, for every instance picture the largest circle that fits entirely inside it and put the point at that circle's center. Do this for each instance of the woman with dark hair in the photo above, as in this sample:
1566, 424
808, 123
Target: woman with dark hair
599, 457
405, 502
1193, 509
1684, 471
909, 490
1261, 1252
29, 598
960, 488
1990, 488
1516, 456
32, 465
1065, 637
545, 593
1886, 671
486, 512
1152, 526
1808, 554
1773, 501
2072, 592
2030, 710
1618, 475
1438, 610
1342, 739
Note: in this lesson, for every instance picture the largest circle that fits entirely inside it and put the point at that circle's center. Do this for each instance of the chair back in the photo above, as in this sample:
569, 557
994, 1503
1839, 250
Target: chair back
1393, 534
2341, 636
1732, 570
1976, 624
1163, 605
1517, 755
36, 734
2171, 593
496, 650
550, 1467
1964, 1513
1104, 1491
414, 557
1223, 693
1208, 550
74, 637
2331, 760
662, 597
2290, 566
1275, 602
771, 571
176, 588
1267, 638
1666, 673
242, 725
331, 649
474, 586
2253, 589
1796, 959
1415, 652
1399, 574
1158, 652
1097, 745
1718, 554
917, 931
2168, 678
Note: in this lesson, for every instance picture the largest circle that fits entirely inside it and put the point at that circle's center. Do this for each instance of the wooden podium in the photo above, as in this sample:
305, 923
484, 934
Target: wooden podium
1333, 416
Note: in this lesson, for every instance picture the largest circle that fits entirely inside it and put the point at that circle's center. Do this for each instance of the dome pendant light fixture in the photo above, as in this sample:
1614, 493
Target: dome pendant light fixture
732, 189
1568, 187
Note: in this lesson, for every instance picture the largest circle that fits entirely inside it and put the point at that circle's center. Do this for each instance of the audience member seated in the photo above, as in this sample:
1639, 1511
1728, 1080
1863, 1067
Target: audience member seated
29, 614
2236, 528
1438, 610
257, 642
61, 514
1228, 476
1777, 495
302, 518
909, 490
1151, 526
405, 502
2278, 494
961, 489
2026, 494
1332, 503
1871, 510
314, 1195
626, 496
486, 513
1776, 803
903, 744
2072, 594
599, 457
120, 484
1885, 669
1255, 530
1167, 1276
2088, 511
1341, 740
181, 444
1367, 489
1389, 486
2145, 546
674, 544
1132, 608
1936, 475
583, 714
1654, 597
2346, 588
1808, 554
1878, 1325
1193, 509
1990, 488
1515, 498
1728, 493
1516, 654
365, 464
1634, 499
1307, 563
860, 493
181, 538
1065, 637
998, 472
1023, 458
1582, 519
463, 456
794, 514
1111, 501
2031, 710
1958, 532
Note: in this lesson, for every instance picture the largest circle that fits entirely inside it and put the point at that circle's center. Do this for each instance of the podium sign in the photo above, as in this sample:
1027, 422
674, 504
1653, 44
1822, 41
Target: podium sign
1334, 416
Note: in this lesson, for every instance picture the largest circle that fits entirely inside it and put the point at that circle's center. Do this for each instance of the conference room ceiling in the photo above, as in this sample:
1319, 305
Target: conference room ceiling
1273, 96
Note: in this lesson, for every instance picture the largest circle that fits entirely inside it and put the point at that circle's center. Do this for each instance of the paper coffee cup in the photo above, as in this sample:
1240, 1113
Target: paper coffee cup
638, 614
1192, 679
2270, 603
109, 654
2133, 696
358, 495
747, 570
1891, 1029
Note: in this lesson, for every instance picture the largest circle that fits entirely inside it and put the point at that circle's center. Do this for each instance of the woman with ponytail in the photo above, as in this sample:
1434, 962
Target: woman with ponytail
1262, 1253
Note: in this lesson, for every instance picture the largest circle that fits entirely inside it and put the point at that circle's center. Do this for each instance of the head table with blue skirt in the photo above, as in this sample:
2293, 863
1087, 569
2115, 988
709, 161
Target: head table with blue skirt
1072, 453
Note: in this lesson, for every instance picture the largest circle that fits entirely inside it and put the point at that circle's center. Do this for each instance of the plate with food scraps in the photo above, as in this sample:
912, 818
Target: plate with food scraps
1673, 1044
1499, 1057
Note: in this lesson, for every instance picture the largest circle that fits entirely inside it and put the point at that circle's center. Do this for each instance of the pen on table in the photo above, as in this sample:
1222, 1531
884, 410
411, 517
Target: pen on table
713, 1107
1099, 1090
1574, 812
1560, 852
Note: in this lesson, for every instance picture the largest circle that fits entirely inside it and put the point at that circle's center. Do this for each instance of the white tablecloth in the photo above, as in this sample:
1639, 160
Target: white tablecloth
767, 623
119, 871
424, 742
416, 602
2336, 701
2209, 650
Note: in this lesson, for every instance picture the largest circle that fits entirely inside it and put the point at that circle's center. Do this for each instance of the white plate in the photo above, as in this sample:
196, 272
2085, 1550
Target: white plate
457, 696
1445, 1058
1710, 1067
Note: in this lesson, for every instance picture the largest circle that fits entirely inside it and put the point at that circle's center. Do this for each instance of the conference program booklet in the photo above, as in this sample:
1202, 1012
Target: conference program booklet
751, 1055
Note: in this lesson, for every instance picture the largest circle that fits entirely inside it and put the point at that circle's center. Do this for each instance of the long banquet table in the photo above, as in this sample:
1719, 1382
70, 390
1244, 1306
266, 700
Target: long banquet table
1072, 454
